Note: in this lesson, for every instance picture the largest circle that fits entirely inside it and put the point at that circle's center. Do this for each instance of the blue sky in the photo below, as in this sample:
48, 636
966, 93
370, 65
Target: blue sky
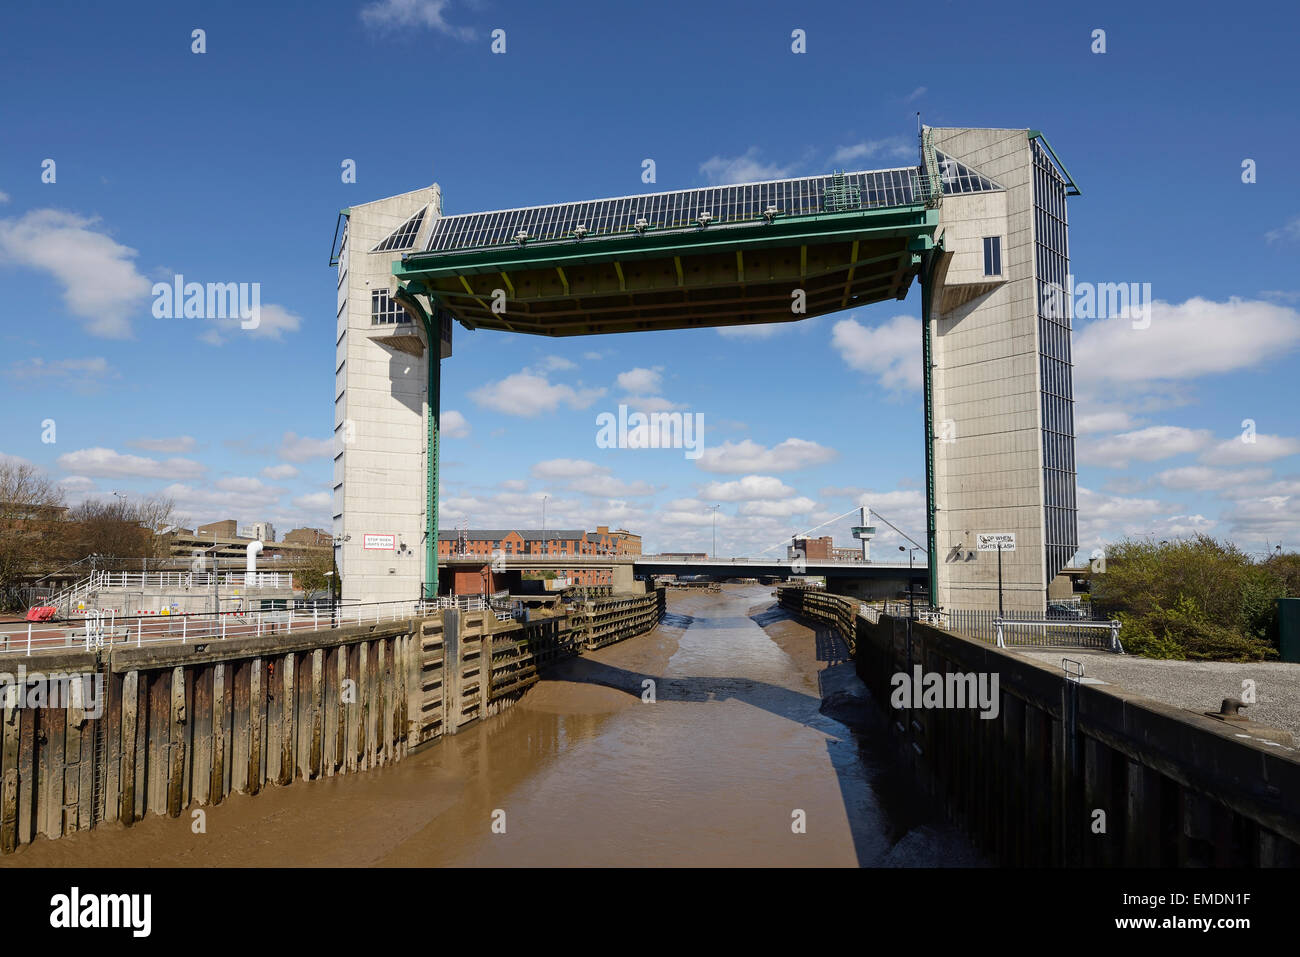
225, 166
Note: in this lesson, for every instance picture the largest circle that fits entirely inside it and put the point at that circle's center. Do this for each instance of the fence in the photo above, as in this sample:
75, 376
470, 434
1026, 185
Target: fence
100, 629
1024, 630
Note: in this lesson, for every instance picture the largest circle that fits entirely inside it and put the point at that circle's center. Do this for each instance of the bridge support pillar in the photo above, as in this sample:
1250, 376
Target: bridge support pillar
624, 581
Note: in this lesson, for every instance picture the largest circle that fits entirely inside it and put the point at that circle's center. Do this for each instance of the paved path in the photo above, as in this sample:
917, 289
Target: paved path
1198, 685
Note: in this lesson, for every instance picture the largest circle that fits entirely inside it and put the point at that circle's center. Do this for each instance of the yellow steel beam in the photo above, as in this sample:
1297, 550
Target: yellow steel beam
622, 283
677, 261
564, 280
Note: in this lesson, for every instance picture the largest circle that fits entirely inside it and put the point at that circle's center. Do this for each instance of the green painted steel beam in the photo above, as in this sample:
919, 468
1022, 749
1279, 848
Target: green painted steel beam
405, 297
910, 222
1069, 180
931, 258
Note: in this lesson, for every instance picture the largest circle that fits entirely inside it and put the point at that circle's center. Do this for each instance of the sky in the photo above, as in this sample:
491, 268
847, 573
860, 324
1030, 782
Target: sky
126, 158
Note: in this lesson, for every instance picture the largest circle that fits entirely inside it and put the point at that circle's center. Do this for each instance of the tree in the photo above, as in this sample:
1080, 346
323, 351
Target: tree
119, 528
311, 570
31, 507
1194, 598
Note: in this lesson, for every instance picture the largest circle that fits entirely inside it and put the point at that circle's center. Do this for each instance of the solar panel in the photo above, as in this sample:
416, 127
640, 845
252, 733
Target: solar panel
404, 236
725, 206
957, 177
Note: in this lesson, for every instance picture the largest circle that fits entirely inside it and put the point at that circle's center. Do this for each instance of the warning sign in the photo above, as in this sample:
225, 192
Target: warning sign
379, 541
996, 541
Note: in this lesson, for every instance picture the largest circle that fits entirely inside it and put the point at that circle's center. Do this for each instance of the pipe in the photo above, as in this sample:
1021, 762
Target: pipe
254, 549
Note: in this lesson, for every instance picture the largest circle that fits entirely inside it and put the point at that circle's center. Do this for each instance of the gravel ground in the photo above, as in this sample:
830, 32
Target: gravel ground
1197, 685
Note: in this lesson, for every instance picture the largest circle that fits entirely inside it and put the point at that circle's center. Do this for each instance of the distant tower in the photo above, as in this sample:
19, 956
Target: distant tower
864, 532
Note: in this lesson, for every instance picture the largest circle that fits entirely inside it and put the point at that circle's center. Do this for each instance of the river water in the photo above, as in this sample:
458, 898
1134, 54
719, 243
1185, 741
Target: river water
733, 762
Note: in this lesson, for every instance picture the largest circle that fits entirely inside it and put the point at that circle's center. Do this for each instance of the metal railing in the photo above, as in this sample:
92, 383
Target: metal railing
1006, 630
100, 628
1032, 630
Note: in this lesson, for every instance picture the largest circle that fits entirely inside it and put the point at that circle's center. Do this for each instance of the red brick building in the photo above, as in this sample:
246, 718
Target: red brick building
551, 543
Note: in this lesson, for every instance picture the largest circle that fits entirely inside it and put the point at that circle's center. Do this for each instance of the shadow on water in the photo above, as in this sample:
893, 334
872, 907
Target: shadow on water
856, 734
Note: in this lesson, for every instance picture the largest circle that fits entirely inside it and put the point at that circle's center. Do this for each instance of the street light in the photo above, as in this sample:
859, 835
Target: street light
911, 605
714, 510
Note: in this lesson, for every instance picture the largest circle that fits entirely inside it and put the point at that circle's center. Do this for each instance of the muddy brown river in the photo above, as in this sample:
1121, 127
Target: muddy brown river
733, 753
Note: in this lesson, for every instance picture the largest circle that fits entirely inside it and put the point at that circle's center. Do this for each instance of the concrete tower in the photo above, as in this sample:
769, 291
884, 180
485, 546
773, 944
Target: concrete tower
1003, 398
381, 403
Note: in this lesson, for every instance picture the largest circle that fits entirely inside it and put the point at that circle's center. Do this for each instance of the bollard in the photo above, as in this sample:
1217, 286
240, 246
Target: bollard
315, 618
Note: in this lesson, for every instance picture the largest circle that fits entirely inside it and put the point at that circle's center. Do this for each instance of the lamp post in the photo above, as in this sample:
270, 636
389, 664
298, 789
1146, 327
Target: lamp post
544, 498
714, 510
911, 605
334, 567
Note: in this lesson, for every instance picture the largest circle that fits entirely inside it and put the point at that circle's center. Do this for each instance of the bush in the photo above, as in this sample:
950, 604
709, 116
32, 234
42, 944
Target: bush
1194, 599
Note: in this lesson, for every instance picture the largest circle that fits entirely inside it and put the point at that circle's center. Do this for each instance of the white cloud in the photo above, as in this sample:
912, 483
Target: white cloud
1200, 478
73, 369
239, 501
781, 509
179, 443
640, 380
396, 14
749, 488
1272, 518
748, 456
556, 363
607, 486
1290, 230
453, 425
299, 448
4, 197
890, 351
277, 472
649, 403
915, 94
1196, 338
77, 483
528, 395
1144, 445
565, 469
1265, 448
100, 283
754, 330
892, 147
1112, 420
110, 464
273, 322
747, 168
315, 501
